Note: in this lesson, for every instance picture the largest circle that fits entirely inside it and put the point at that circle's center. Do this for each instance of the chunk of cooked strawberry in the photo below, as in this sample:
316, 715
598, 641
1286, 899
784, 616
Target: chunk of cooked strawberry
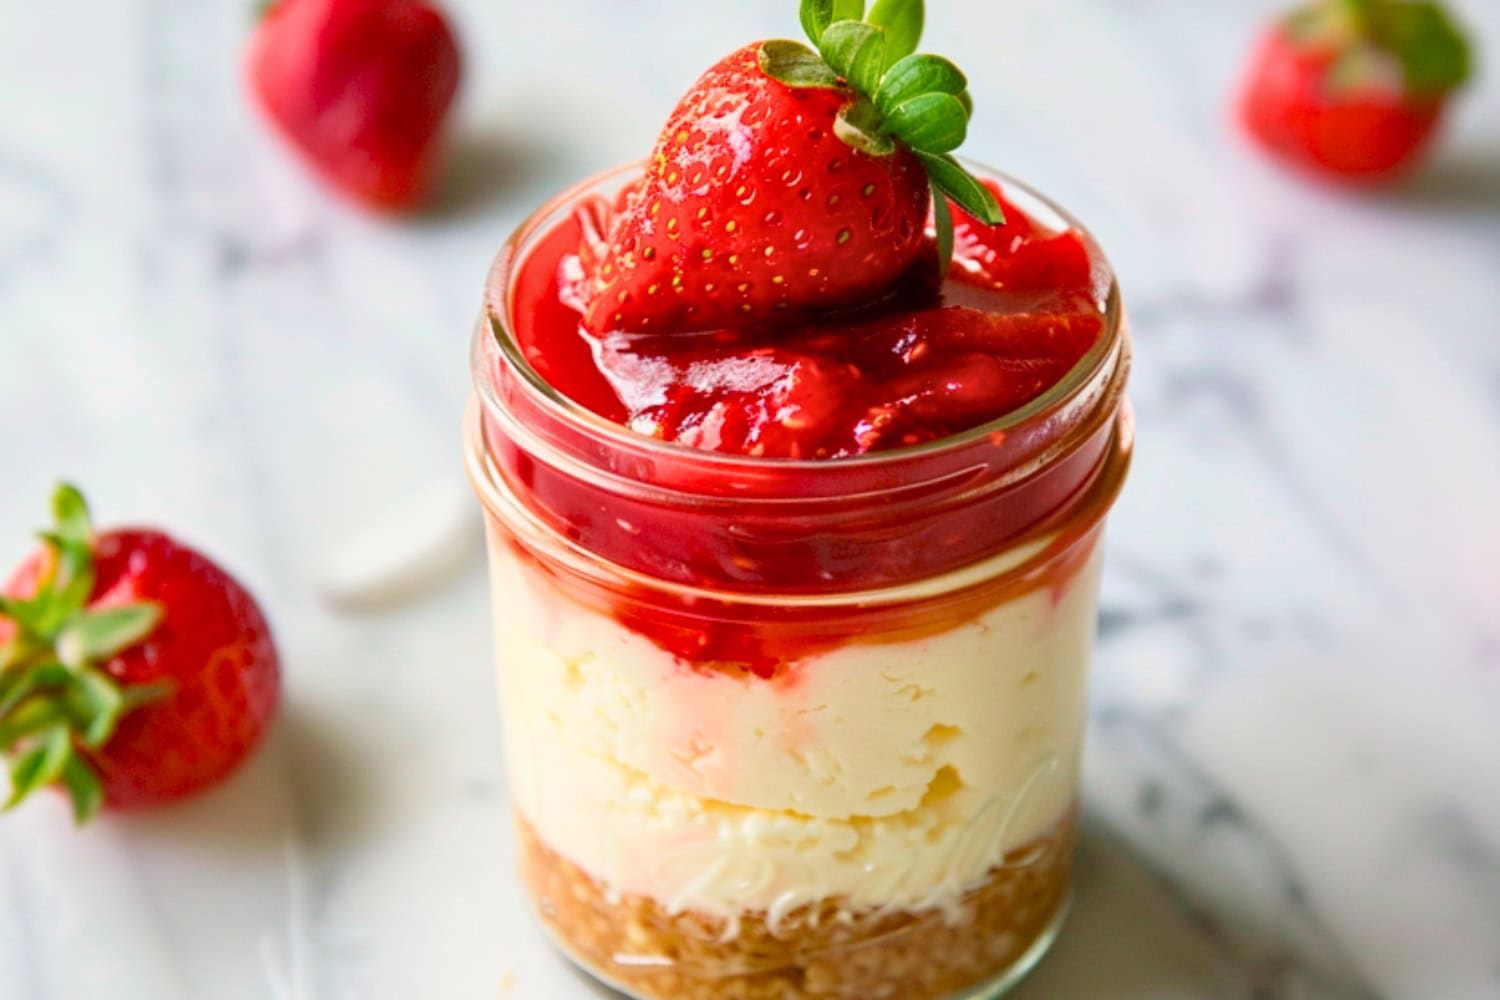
1019, 255
822, 392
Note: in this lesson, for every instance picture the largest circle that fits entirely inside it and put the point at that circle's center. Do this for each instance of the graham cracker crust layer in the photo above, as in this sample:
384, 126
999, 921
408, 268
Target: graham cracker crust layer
821, 951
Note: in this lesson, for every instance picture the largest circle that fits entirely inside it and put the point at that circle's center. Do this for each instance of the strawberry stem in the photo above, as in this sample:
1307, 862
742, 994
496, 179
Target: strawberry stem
859, 125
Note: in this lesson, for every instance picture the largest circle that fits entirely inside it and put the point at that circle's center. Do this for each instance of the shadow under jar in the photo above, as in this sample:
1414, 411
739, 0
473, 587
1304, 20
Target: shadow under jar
782, 728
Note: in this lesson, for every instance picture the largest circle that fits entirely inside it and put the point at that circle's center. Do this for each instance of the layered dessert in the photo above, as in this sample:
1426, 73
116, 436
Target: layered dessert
796, 443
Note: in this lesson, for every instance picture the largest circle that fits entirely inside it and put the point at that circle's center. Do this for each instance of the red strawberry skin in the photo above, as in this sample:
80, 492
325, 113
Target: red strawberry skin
212, 644
753, 210
361, 88
1364, 135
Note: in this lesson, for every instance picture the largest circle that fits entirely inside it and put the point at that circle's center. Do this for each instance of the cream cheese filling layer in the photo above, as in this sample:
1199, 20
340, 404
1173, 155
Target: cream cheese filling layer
889, 775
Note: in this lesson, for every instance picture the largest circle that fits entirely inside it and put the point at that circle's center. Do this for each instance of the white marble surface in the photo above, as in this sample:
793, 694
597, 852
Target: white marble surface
1294, 773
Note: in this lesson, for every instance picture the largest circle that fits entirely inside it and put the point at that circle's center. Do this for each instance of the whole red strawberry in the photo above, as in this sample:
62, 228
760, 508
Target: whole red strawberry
1353, 89
133, 670
789, 181
361, 87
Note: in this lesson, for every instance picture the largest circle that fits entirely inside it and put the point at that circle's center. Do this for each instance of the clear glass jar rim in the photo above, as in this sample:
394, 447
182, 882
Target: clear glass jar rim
495, 334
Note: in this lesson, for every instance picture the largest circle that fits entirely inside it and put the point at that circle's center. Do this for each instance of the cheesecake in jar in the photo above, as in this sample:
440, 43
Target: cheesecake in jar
793, 613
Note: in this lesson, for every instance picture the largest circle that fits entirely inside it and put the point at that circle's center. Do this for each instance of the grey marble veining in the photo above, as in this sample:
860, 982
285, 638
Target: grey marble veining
1296, 733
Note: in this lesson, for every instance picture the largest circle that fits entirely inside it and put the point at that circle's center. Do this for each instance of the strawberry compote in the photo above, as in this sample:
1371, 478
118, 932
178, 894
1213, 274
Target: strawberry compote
793, 622
930, 359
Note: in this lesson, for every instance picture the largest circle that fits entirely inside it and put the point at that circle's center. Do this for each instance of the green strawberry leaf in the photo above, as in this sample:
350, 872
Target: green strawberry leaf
16, 684
923, 100
25, 614
795, 65
915, 75
1431, 48
856, 51
848, 10
932, 123
942, 217
40, 764
98, 635
71, 583
903, 22
816, 16
50, 673
84, 788
30, 717
949, 176
98, 703
71, 512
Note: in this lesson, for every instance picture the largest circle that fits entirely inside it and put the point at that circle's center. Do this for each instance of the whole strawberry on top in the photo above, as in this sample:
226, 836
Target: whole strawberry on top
1353, 89
789, 181
361, 88
133, 671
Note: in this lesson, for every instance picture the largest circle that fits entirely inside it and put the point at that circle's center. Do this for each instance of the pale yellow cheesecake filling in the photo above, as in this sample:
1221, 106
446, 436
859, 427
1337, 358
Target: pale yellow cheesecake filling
888, 775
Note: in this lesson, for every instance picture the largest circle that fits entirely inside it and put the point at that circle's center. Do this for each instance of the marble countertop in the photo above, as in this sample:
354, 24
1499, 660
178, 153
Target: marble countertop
1293, 777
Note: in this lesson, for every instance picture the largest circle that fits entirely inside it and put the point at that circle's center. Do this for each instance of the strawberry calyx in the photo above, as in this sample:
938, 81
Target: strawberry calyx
900, 95
56, 703
1414, 42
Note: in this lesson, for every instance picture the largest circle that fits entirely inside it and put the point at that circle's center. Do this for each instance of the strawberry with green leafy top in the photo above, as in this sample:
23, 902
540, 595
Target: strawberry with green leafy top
790, 180
133, 671
1354, 89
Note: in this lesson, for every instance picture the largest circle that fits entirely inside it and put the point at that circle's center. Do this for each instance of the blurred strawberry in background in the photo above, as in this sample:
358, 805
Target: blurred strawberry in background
361, 88
134, 671
1353, 90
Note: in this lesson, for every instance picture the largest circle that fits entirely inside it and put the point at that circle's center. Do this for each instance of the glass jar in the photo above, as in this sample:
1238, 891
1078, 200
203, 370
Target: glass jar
782, 728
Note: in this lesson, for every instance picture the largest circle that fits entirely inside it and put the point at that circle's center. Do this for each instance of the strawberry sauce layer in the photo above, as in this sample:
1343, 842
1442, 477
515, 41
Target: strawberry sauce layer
848, 393
930, 360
